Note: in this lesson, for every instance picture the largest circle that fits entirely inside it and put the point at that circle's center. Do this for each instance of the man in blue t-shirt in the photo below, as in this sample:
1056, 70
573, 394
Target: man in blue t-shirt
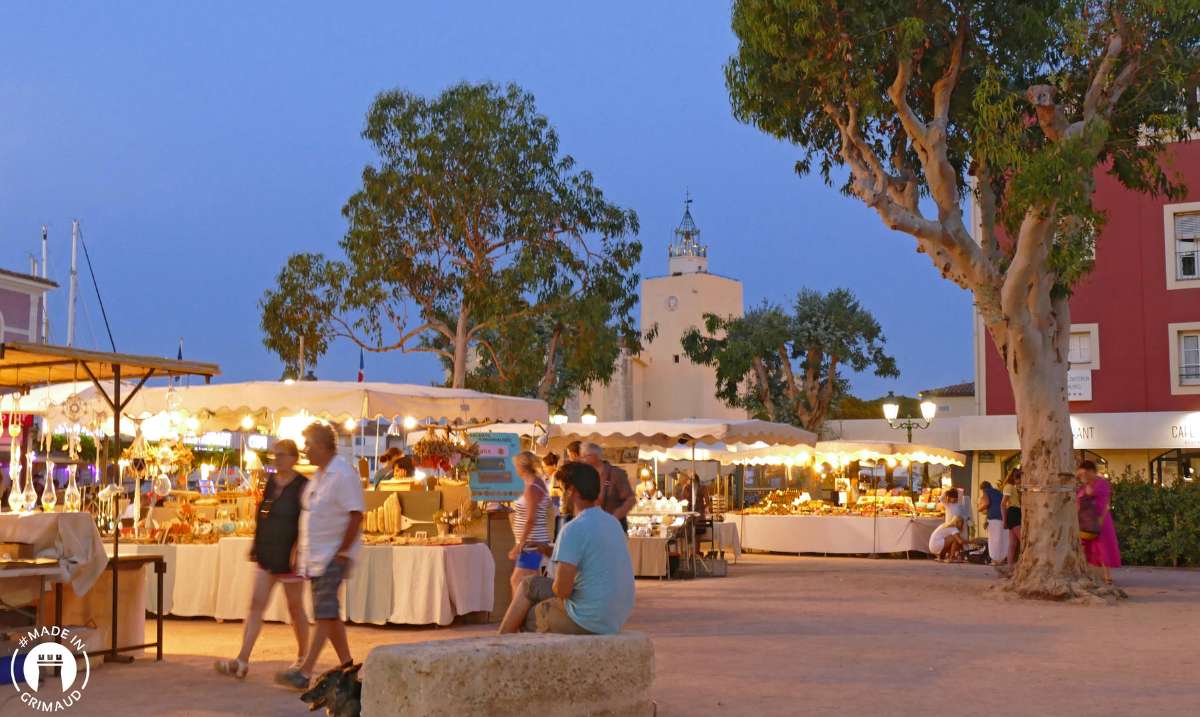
592, 589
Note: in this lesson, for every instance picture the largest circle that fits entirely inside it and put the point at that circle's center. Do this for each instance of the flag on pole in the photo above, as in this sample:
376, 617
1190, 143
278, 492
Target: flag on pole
362, 367
178, 357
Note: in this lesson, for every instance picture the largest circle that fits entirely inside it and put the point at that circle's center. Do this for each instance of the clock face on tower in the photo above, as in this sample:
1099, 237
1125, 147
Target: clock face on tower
672, 303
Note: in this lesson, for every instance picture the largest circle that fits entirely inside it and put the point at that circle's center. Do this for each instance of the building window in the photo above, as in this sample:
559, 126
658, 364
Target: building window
1181, 229
1184, 342
676, 358
1187, 246
1083, 350
1189, 359
1173, 466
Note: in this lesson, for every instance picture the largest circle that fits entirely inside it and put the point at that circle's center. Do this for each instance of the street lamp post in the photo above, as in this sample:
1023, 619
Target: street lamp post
891, 412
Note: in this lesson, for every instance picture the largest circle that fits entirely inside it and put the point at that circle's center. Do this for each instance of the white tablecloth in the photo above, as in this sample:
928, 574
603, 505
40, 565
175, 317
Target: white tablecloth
838, 534
725, 537
72, 538
409, 584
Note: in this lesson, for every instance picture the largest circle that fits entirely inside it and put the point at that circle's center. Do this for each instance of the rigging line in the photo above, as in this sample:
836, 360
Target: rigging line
96, 286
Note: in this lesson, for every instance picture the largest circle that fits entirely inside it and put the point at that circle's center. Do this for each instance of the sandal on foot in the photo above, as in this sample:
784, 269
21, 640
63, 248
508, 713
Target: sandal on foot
232, 668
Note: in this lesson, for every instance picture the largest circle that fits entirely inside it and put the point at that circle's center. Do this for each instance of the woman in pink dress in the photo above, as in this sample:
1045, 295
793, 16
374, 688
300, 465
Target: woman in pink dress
1102, 550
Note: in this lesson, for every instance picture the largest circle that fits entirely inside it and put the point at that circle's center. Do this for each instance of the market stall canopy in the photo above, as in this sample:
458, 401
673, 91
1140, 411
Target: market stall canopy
840, 453
25, 365
754, 454
49, 400
225, 405
535, 431
732, 434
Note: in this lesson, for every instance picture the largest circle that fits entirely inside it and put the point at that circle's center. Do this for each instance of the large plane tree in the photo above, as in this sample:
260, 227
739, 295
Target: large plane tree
919, 106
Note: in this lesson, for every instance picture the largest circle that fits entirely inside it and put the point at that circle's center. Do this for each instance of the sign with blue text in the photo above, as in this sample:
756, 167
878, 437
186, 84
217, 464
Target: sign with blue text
495, 477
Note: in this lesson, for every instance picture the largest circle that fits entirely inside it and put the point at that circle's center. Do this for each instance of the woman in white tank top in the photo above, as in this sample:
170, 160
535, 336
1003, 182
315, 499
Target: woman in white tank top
529, 519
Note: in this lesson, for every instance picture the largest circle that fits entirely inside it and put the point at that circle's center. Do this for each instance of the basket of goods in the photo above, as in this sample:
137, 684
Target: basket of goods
443, 453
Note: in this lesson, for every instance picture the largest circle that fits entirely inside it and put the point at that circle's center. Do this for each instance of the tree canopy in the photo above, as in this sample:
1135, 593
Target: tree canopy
476, 239
1017, 105
787, 367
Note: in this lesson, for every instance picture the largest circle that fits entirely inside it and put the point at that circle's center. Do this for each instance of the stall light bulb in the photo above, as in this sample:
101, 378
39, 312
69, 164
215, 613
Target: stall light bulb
409, 423
247, 422
350, 425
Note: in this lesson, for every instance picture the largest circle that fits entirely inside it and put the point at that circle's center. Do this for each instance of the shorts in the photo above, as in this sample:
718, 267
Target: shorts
548, 613
325, 588
1013, 517
529, 560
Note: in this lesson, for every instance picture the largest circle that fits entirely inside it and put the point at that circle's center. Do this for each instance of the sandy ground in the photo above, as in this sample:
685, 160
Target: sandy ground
792, 636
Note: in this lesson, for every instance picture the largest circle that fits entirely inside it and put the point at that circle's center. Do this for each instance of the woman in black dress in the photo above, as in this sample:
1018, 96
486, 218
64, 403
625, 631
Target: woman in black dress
274, 549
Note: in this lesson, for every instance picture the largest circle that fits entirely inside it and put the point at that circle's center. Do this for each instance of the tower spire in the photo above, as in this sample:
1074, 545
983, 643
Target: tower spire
686, 254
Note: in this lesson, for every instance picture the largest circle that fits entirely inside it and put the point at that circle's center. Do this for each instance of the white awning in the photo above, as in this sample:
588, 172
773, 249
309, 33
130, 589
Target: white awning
732, 434
223, 405
1092, 431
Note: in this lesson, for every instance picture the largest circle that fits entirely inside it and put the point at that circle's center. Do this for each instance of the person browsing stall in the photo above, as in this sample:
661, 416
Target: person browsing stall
616, 492
274, 551
529, 519
592, 589
991, 504
330, 539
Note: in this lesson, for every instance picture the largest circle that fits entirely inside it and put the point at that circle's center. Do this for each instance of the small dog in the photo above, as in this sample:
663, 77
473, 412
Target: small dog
338, 691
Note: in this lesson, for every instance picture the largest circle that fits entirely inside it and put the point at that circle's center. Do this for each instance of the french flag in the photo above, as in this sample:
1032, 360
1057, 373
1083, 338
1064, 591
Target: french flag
362, 367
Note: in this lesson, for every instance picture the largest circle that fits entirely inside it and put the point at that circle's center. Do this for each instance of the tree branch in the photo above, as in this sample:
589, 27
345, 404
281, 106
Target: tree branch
764, 387
943, 89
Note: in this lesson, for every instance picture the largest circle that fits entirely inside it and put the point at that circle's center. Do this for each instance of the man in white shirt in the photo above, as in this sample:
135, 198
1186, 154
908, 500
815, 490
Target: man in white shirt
330, 539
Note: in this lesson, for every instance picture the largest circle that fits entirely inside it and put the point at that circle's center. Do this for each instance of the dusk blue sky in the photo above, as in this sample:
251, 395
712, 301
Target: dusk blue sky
202, 143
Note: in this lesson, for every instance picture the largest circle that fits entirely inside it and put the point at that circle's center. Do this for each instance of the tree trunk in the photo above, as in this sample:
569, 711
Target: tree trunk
461, 348
1051, 564
550, 375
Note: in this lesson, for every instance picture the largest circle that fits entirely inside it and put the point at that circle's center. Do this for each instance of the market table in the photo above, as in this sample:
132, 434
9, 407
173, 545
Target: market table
649, 556
70, 538
401, 584
835, 534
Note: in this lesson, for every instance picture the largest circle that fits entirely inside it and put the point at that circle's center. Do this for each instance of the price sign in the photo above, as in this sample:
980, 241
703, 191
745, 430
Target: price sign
495, 477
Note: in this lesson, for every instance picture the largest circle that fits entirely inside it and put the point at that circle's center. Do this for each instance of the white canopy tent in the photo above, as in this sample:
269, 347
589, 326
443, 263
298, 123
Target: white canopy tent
733, 435
840, 453
265, 404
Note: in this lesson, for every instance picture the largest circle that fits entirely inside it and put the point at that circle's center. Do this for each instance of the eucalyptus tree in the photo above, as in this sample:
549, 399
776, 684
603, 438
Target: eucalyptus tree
788, 367
1016, 106
471, 228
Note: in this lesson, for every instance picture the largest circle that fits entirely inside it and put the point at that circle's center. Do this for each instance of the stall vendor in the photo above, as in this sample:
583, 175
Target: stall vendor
693, 491
647, 488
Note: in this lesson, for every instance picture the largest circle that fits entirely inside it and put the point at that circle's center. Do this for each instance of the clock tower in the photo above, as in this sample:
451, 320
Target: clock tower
671, 386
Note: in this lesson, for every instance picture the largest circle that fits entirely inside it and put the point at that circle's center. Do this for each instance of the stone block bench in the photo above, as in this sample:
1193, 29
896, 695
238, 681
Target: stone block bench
523, 674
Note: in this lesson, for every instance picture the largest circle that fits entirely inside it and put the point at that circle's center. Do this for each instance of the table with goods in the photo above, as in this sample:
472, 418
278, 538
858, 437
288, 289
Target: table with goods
659, 529
878, 521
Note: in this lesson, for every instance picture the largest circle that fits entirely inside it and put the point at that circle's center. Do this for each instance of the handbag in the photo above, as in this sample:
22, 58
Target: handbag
1089, 518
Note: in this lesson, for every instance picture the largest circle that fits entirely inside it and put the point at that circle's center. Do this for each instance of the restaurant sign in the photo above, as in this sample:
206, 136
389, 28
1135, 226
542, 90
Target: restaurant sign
1093, 431
1079, 384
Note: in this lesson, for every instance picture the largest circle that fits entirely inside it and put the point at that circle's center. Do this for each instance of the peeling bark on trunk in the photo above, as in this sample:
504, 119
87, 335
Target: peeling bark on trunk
1051, 565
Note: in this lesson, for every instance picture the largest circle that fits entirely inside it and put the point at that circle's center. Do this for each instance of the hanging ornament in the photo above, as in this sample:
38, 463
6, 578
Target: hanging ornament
161, 485
49, 495
14, 426
30, 500
73, 408
72, 498
16, 496
174, 400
